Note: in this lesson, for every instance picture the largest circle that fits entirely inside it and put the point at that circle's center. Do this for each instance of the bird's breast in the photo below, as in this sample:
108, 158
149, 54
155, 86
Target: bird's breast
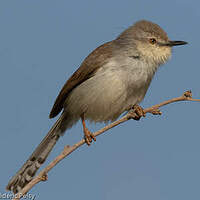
113, 89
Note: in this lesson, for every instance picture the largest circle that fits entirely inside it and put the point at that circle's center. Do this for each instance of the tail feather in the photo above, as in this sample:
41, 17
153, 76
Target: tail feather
38, 157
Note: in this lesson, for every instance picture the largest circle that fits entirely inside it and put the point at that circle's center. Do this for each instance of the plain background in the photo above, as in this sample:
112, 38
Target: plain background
42, 42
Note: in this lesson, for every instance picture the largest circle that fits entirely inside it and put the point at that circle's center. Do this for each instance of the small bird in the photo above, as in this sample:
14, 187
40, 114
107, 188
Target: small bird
113, 79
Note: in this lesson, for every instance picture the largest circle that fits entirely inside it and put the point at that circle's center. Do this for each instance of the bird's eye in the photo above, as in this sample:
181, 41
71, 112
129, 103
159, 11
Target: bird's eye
152, 40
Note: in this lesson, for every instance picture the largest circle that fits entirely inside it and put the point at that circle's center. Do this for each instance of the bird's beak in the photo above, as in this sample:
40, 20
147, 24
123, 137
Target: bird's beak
175, 43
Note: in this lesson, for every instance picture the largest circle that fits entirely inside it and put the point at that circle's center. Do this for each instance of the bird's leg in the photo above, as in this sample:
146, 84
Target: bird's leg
139, 111
87, 134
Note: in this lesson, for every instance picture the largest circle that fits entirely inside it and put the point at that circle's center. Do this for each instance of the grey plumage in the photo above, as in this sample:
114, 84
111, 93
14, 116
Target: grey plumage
28, 170
110, 81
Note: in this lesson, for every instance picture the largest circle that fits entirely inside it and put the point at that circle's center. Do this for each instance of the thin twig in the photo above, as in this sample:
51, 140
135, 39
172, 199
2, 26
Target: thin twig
42, 176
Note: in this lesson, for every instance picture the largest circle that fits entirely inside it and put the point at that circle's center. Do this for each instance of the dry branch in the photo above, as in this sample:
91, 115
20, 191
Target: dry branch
42, 176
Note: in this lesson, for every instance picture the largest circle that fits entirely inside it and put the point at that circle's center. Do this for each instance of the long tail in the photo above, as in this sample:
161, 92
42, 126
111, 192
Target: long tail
28, 170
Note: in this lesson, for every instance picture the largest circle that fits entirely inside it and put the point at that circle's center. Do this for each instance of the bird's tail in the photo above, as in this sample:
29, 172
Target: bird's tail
30, 167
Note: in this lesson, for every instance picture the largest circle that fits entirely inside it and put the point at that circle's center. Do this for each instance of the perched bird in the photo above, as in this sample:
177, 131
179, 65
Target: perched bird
113, 79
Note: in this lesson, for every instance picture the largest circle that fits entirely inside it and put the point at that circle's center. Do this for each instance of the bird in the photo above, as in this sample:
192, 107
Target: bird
112, 79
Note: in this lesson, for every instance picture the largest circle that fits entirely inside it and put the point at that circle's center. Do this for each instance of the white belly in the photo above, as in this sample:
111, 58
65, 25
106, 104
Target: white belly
110, 92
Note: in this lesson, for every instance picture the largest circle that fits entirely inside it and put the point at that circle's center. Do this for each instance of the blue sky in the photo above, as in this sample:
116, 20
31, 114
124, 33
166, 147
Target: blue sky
42, 42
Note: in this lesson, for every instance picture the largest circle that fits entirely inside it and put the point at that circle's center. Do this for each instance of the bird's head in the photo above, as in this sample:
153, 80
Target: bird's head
150, 40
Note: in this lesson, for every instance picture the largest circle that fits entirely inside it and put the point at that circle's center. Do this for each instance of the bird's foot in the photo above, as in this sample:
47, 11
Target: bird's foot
139, 112
88, 136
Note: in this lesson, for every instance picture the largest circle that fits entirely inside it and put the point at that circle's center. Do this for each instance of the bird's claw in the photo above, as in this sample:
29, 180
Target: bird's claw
88, 136
139, 112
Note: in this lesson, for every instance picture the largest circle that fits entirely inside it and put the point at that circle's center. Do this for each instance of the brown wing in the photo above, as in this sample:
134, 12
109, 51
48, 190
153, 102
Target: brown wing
89, 66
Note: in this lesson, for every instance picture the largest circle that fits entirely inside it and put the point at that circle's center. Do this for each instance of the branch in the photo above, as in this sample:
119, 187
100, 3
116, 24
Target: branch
42, 176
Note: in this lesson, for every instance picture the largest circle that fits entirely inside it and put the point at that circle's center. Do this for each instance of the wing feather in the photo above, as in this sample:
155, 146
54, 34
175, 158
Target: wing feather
87, 69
